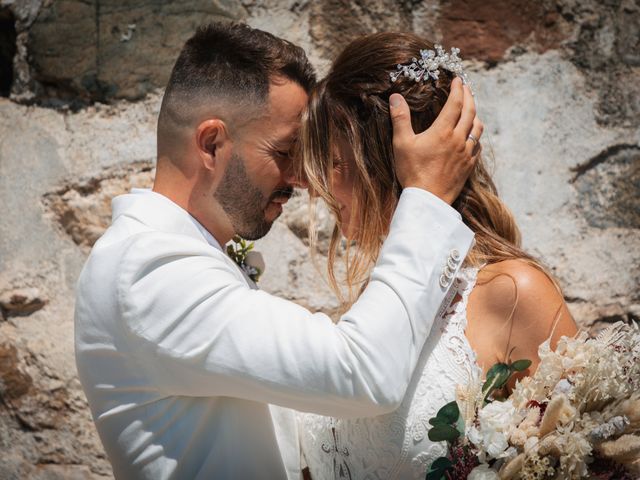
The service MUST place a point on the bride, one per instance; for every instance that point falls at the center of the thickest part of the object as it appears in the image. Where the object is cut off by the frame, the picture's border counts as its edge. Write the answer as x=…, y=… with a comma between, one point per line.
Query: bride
x=503, y=303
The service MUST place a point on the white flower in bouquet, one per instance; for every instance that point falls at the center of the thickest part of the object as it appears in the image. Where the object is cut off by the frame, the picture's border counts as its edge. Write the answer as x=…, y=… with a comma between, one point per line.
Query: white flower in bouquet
x=488, y=442
x=496, y=421
x=483, y=472
x=575, y=452
x=527, y=429
x=563, y=387
x=530, y=443
x=501, y=416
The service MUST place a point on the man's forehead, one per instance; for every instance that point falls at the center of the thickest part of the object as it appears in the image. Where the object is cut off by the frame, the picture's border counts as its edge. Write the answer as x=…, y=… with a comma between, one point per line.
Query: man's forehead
x=286, y=102
x=283, y=112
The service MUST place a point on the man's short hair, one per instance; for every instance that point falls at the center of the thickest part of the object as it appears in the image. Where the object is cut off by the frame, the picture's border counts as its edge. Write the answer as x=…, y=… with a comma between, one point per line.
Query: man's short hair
x=232, y=63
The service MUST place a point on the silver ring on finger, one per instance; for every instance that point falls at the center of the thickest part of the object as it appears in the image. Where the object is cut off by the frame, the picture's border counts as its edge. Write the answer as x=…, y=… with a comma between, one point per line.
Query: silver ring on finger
x=473, y=139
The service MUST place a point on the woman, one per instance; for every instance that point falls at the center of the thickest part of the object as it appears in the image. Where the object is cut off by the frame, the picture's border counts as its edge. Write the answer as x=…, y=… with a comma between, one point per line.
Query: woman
x=505, y=303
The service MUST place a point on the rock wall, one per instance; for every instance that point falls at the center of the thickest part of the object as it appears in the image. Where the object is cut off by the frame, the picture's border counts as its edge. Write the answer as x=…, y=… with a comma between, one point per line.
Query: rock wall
x=557, y=83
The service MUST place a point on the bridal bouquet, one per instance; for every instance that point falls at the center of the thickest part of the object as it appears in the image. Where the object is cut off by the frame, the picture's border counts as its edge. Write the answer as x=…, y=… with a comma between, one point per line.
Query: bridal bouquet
x=577, y=417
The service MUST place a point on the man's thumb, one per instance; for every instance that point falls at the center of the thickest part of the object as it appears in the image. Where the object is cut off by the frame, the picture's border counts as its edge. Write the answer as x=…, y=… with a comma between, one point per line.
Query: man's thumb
x=400, y=117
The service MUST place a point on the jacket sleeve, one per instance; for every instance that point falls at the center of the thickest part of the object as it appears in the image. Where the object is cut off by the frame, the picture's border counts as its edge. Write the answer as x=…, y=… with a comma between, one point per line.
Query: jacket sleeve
x=199, y=330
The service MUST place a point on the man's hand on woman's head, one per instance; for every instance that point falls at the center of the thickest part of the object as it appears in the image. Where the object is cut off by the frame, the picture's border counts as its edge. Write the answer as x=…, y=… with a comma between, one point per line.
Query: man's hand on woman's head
x=441, y=158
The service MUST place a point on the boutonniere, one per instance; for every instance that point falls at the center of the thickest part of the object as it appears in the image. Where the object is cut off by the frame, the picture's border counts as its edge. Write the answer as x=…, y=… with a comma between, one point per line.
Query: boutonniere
x=249, y=261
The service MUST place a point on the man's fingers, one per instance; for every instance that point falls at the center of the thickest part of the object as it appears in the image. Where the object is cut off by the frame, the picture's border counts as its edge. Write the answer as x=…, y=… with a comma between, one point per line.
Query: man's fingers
x=400, y=119
x=450, y=113
x=473, y=139
x=468, y=113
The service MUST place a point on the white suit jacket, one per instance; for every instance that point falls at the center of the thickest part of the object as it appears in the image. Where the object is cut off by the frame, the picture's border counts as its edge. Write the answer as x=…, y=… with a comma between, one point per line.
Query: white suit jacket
x=187, y=368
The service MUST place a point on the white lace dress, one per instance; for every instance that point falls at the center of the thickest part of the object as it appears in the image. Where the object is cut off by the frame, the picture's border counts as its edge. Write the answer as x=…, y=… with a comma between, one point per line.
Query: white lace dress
x=396, y=446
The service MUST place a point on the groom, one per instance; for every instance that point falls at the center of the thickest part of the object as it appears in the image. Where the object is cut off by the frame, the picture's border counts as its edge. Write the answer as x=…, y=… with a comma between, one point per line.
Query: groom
x=190, y=371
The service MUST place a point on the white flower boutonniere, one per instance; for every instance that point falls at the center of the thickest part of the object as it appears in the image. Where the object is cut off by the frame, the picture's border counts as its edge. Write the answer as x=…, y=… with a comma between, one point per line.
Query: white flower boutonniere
x=249, y=261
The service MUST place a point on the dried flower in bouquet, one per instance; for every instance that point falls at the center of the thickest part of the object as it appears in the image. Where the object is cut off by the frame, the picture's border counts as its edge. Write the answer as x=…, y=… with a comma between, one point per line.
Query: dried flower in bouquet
x=576, y=417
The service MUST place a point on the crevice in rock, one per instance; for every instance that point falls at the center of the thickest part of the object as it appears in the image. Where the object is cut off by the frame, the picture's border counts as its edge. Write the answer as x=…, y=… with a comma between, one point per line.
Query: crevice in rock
x=14, y=383
x=82, y=209
x=603, y=156
x=607, y=186
x=20, y=303
x=7, y=50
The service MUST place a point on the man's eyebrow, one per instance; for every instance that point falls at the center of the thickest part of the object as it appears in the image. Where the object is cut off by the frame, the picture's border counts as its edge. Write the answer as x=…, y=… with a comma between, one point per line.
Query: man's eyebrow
x=286, y=141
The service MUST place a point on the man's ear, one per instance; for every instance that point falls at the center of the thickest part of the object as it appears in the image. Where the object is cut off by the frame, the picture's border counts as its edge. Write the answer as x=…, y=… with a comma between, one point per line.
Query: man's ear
x=211, y=139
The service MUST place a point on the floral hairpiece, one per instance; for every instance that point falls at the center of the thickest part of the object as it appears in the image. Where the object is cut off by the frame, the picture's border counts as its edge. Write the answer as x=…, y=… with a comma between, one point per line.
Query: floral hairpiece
x=428, y=64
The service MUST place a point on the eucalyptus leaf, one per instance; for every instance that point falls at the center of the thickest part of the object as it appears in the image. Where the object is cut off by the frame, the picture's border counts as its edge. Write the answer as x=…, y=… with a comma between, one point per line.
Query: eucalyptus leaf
x=521, y=365
x=435, y=475
x=442, y=463
x=443, y=433
x=497, y=376
x=437, y=421
x=449, y=413
x=439, y=468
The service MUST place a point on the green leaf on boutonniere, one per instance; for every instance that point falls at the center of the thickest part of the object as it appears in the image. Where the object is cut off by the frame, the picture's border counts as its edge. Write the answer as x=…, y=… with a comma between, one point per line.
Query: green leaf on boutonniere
x=238, y=251
x=439, y=468
x=443, y=433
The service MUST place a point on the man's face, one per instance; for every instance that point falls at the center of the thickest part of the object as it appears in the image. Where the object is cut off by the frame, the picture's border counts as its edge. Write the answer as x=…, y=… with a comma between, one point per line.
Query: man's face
x=259, y=177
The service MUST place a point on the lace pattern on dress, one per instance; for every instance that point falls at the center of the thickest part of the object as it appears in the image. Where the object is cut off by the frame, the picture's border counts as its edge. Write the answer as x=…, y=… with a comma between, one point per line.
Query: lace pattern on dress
x=396, y=445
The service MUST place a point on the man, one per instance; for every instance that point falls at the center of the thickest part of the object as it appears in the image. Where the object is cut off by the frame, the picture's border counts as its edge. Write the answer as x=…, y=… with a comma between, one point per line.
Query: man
x=186, y=365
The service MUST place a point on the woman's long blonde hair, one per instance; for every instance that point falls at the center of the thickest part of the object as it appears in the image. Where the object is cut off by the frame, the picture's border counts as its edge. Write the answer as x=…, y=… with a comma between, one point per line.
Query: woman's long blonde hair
x=351, y=104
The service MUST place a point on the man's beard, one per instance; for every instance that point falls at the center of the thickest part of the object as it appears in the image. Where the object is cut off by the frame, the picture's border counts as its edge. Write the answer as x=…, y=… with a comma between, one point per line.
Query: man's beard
x=244, y=203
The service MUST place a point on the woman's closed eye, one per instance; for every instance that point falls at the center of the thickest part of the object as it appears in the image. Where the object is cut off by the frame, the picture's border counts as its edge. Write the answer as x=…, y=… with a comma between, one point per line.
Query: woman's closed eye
x=339, y=164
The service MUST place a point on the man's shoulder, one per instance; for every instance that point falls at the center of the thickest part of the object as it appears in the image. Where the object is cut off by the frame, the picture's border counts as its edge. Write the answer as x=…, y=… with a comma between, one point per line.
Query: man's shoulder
x=138, y=240
x=118, y=253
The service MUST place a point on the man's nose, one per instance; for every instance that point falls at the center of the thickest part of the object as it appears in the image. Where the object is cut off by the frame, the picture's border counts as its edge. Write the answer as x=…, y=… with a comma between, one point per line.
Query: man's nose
x=295, y=177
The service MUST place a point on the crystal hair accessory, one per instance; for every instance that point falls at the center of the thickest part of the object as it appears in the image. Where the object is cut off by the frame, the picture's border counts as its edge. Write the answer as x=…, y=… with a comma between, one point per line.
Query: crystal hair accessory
x=428, y=64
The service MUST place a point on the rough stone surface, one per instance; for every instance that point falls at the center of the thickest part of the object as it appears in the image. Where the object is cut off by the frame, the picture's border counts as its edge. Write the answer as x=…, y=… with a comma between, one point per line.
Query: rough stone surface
x=489, y=30
x=83, y=209
x=332, y=24
x=544, y=153
x=557, y=87
x=608, y=185
x=605, y=45
x=104, y=49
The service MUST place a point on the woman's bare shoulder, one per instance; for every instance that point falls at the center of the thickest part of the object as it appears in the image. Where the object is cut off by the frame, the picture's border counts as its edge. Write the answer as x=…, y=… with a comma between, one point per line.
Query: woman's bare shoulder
x=516, y=283
x=521, y=306
x=510, y=276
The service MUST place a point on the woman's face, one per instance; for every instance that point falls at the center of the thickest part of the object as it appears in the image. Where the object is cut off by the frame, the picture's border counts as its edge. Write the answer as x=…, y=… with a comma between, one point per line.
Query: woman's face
x=342, y=183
